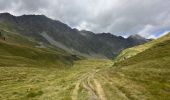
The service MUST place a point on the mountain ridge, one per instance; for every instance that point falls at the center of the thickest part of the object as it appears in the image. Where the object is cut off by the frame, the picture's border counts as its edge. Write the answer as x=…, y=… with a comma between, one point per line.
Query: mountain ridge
x=85, y=42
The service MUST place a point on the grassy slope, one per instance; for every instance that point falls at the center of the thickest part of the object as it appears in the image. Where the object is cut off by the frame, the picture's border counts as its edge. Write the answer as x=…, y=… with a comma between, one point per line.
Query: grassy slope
x=16, y=54
x=21, y=50
x=144, y=76
x=137, y=49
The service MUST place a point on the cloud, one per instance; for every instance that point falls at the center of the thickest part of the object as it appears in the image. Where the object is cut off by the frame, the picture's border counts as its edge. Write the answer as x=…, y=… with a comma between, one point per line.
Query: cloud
x=120, y=17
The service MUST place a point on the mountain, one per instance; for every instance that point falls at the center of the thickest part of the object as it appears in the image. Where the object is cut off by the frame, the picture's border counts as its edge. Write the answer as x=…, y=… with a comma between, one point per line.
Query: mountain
x=130, y=52
x=137, y=39
x=60, y=35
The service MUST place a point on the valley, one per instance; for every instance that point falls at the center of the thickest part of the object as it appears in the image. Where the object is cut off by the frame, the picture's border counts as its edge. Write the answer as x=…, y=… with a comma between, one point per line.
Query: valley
x=55, y=62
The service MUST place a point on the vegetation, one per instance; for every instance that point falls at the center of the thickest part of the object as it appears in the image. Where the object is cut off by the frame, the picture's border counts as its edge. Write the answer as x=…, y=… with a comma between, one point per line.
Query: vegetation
x=46, y=82
x=130, y=52
x=146, y=75
x=31, y=70
x=133, y=79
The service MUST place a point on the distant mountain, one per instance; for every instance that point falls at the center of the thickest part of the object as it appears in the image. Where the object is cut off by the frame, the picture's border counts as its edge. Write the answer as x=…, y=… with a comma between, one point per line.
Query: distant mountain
x=137, y=39
x=58, y=34
x=130, y=52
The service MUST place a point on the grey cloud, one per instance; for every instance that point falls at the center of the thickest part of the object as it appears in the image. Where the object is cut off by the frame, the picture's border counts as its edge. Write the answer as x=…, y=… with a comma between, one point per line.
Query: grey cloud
x=120, y=17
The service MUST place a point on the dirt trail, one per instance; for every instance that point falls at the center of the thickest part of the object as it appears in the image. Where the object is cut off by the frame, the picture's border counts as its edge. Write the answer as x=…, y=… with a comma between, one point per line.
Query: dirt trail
x=95, y=91
x=99, y=90
x=75, y=91
x=88, y=85
x=92, y=95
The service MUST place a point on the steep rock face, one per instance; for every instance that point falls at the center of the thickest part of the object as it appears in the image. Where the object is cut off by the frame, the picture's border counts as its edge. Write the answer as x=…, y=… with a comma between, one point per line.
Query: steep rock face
x=82, y=42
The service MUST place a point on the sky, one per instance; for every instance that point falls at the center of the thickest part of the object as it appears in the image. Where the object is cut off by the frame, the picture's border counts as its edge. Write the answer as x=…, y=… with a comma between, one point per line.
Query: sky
x=148, y=18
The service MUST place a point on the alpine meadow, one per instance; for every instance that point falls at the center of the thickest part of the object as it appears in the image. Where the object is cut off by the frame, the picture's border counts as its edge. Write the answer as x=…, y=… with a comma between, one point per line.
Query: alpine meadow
x=84, y=50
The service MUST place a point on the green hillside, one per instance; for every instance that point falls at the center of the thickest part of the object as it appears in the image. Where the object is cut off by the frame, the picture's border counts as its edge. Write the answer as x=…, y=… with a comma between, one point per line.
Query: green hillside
x=127, y=53
x=146, y=75
x=20, y=50
x=11, y=53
